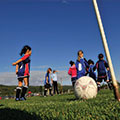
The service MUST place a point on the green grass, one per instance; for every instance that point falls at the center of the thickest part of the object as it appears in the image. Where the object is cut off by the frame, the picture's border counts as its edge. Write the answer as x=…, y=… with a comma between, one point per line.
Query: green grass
x=62, y=107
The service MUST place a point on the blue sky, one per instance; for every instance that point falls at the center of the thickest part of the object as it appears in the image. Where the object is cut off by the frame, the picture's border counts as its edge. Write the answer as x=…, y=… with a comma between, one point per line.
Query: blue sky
x=56, y=30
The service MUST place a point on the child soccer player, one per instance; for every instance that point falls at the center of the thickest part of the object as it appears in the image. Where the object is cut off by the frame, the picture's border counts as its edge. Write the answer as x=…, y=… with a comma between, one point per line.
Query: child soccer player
x=47, y=84
x=101, y=67
x=81, y=65
x=73, y=72
x=54, y=79
x=90, y=70
x=23, y=72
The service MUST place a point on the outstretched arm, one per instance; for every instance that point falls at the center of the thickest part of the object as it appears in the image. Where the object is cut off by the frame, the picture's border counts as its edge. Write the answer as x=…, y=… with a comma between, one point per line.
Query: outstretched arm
x=15, y=63
x=20, y=60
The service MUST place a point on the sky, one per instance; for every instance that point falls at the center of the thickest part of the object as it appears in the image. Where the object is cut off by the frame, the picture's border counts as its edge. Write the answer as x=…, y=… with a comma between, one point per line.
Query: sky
x=56, y=30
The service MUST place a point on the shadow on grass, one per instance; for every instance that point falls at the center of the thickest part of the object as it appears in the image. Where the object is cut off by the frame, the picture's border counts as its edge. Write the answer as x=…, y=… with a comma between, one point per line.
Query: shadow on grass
x=1, y=105
x=14, y=114
x=72, y=99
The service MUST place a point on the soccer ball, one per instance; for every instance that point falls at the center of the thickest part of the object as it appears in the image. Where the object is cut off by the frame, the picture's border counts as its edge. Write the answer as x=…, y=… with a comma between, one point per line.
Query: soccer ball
x=85, y=88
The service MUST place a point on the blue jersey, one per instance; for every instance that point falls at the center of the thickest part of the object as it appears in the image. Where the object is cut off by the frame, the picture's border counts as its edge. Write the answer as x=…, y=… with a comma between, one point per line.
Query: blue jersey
x=91, y=72
x=47, y=75
x=101, y=66
x=81, y=67
x=24, y=67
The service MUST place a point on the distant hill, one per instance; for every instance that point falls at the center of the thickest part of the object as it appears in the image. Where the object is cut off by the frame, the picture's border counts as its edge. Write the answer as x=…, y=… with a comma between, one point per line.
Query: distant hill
x=10, y=90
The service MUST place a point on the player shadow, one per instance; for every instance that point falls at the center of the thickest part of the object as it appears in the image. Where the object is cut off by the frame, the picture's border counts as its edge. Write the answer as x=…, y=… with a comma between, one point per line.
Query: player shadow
x=76, y=99
x=1, y=105
x=72, y=99
x=14, y=114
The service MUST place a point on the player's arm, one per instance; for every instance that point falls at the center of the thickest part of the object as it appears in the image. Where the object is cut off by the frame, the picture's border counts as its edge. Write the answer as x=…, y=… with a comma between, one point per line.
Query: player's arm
x=108, y=69
x=86, y=63
x=69, y=71
x=20, y=60
x=106, y=65
x=76, y=65
x=52, y=80
x=47, y=79
x=95, y=67
x=17, y=69
x=15, y=63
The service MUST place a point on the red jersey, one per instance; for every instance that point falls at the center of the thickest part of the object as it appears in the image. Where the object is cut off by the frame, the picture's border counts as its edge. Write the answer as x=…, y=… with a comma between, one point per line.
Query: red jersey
x=72, y=71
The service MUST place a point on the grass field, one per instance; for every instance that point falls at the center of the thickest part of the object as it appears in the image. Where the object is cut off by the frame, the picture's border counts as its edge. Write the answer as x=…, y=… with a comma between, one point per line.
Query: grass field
x=62, y=107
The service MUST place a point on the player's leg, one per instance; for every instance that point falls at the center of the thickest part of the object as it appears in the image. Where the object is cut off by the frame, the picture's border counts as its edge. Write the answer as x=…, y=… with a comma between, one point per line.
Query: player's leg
x=25, y=87
x=18, y=89
x=99, y=83
x=53, y=87
x=50, y=89
x=110, y=84
x=57, y=87
x=45, y=90
x=73, y=84
x=73, y=81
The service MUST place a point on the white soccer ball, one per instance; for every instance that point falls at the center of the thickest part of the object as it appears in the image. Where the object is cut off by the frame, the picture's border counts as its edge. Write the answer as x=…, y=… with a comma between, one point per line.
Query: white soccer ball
x=85, y=88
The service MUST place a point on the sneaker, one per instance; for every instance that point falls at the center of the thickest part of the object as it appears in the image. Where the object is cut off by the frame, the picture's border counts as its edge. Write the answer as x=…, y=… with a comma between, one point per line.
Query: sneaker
x=17, y=99
x=22, y=98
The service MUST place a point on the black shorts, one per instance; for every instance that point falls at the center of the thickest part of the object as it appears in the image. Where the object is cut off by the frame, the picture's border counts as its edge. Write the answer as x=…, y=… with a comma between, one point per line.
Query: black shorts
x=22, y=78
x=47, y=85
x=100, y=79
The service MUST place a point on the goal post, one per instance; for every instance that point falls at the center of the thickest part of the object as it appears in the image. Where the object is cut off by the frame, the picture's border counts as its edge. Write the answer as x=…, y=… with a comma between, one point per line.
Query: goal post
x=106, y=49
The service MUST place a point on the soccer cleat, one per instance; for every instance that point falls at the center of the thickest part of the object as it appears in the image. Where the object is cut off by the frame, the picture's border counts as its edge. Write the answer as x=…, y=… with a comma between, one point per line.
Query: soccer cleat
x=17, y=99
x=22, y=98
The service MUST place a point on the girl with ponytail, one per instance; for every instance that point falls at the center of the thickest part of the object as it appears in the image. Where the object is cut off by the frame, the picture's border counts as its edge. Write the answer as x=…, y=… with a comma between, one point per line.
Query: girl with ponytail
x=23, y=72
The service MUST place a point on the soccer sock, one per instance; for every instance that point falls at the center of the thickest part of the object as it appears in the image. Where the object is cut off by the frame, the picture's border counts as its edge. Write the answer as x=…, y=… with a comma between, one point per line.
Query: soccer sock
x=18, y=90
x=45, y=91
x=50, y=91
x=110, y=85
x=24, y=90
x=98, y=87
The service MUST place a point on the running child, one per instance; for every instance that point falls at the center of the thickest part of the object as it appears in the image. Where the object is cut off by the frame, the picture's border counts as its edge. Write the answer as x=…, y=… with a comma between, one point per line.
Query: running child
x=23, y=72
x=47, y=82
x=73, y=72
x=81, y=65
x=102, y=67
x=90, y=70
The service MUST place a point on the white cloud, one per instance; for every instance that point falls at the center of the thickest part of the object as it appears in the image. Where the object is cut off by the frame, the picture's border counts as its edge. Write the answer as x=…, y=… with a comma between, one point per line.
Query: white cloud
x=36, y=78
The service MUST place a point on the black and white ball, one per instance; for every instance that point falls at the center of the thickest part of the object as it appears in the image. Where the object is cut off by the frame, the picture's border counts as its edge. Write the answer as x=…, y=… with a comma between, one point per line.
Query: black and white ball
x=85, y=88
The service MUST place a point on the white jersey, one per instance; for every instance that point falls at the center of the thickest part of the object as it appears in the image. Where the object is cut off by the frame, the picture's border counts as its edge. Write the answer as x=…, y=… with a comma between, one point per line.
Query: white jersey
x=54, y=76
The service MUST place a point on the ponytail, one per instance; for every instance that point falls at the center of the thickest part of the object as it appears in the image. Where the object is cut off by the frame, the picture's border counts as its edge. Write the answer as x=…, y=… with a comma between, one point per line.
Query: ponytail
x=24, y=49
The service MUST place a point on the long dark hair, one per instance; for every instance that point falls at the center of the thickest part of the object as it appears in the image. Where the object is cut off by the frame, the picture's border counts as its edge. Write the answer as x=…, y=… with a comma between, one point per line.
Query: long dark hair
x=79, y=51
x=71, y=63
x=24, y=49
